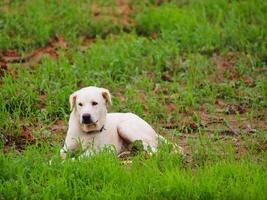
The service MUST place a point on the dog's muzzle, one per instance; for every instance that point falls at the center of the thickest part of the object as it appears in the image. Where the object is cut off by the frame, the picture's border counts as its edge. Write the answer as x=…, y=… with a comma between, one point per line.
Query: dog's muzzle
x=87, y=119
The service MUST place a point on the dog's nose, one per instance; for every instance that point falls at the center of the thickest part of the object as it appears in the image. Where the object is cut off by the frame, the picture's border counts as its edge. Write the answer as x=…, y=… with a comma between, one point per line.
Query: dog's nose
x=87, y=119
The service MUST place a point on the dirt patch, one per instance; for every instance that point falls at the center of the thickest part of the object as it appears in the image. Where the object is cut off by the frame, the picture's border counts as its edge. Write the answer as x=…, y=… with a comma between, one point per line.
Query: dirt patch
x=34, y=58
x=119, y=14
x=19, y=141
x=59, y=127
x=229, y=123
x=10, y=56
x=225, y=66
x=51, y=50
x=34, y=133
x=4, y=6
x=6, y=58
x=3, y=68
x=86, y=42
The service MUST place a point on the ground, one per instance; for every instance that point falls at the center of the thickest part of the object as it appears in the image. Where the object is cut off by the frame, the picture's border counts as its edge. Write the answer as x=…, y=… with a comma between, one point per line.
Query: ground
x=194, y=69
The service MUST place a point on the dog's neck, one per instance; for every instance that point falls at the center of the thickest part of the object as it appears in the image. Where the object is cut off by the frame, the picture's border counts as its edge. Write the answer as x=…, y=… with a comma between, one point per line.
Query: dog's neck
x=97, y=131
x=89, y=131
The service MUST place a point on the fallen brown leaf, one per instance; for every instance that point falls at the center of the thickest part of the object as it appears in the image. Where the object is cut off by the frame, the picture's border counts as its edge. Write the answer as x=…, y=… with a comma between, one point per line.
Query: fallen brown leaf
x=193, y=125
x=167, y=77
x=171, y=107
x=27, y=135
x=234, y=109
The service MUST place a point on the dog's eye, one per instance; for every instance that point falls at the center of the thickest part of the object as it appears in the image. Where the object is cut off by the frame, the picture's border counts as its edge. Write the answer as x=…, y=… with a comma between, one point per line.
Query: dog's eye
x=94, y=103
x=80, y=104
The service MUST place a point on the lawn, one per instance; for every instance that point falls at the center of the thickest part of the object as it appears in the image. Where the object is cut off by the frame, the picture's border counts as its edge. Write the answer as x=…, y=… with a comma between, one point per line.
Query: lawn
x=196, y=70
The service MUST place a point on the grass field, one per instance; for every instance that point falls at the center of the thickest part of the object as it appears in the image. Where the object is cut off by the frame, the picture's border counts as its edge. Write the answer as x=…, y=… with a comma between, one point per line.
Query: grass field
x=196, y=70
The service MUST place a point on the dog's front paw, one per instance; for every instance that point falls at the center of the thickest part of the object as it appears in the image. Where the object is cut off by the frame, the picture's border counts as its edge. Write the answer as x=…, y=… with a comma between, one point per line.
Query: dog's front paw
x=63, y=154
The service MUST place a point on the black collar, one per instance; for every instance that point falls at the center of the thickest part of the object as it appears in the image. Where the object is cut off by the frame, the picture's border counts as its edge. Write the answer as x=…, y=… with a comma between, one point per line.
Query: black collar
x=103, y=128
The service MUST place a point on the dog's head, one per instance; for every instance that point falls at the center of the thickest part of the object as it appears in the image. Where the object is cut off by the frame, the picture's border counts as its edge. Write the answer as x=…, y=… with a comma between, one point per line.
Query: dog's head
x=90, y=107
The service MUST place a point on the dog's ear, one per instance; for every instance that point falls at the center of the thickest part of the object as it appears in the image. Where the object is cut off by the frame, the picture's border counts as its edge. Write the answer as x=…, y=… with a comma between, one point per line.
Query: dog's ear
x=73, y=97
x=106, y=95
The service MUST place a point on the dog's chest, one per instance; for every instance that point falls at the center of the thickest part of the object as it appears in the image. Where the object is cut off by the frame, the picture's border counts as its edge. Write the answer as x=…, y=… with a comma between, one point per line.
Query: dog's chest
x=108, y=136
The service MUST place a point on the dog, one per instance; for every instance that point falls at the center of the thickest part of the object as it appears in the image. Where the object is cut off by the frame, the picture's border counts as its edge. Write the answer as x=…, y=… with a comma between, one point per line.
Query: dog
x=93, y=128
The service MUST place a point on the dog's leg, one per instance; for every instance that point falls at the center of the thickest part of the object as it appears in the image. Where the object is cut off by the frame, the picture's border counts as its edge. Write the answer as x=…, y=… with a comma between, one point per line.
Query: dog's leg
x=68, y=147
x=93, y=150
x=133, y=130
x=87, y=154
x=70, y=144
x=63, y=152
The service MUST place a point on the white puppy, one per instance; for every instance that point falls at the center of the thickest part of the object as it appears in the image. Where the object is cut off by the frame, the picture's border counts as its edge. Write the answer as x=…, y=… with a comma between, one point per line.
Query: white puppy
x=93, y=128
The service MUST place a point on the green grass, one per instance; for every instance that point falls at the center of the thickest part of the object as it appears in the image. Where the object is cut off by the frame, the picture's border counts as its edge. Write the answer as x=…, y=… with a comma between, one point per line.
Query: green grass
x=31, y=24
x=203, y=26
x=173, y=65
x=163, y=176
